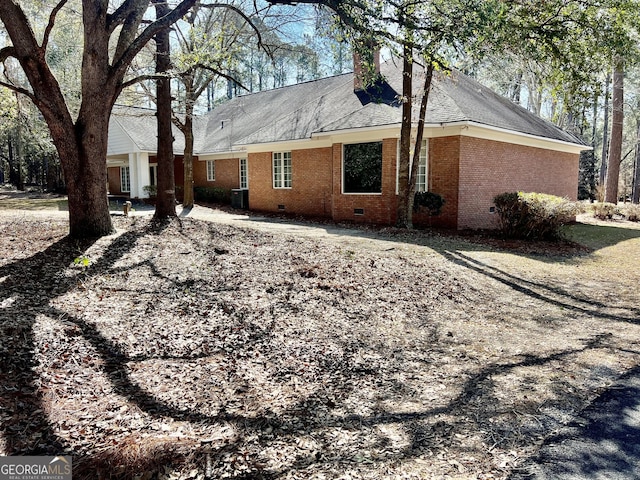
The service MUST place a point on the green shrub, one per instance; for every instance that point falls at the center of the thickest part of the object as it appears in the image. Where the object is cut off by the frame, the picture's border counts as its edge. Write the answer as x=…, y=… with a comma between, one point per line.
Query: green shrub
x=631, y=212
x=430, y=202
x=603, y=210
x=212, y=194
x=150, y=190
x=535, y=216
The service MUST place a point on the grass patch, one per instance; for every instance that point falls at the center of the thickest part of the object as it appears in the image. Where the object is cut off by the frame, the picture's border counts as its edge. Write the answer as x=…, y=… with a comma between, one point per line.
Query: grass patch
x=597, y=236
x=33, y=204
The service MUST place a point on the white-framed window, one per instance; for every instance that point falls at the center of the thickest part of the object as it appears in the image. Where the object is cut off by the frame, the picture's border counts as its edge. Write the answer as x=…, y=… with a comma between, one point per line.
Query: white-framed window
x=421, y=180
x=125, y=180
x=281, y=169
x=362, y=168
x=244, y=179
x=211, y=171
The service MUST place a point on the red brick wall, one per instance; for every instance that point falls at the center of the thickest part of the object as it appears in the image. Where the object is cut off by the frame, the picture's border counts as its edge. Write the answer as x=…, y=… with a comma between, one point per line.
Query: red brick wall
x=380, y=208
x=443, y=173
x=310, y=191
x=467, y=172
x=488, y=168
x=227, y=173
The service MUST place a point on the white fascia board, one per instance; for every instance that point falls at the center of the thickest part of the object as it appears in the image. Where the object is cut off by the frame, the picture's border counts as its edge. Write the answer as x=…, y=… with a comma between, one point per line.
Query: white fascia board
x=289, y=145
x=240, y=153
x=327, y=139
x=368, y=134
x=487, y=132
x=364, y=134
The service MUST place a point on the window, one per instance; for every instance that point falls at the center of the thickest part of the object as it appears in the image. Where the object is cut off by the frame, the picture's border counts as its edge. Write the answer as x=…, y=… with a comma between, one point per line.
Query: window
x=421, y=180
x=362, y=168
x=153, y=175
x=281, y=169
x=125, y=180
x=211, y=171
x=244, y=181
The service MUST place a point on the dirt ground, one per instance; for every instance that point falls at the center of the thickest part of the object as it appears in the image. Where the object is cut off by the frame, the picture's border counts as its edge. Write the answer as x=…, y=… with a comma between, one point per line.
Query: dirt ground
x=222, y=346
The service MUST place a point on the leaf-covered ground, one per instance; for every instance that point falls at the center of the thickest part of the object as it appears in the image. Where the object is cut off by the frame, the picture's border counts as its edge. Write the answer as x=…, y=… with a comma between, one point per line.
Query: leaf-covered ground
x=194, y=349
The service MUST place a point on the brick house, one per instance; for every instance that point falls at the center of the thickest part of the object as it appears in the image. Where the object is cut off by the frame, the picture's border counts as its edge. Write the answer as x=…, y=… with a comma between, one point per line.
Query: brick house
x=329, y=148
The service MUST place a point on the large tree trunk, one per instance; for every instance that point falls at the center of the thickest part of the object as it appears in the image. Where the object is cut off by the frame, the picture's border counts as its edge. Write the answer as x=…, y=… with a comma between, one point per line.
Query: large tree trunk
x=403, y=215
x=615, y=147
x=187, y=131
x=635, y=194
x=82, y=146
x=166, y=202
x=605, y=132
x=87, y=180
x=188, y=198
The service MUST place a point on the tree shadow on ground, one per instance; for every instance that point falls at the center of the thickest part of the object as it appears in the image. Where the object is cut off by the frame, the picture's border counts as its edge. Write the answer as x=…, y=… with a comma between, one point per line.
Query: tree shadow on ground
x=541, y=291
x=579, y=240
x=30, y=286
x=602, y=443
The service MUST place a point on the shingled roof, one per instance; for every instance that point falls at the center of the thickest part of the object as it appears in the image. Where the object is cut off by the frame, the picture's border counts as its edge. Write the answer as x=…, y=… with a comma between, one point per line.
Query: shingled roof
x=330, y=105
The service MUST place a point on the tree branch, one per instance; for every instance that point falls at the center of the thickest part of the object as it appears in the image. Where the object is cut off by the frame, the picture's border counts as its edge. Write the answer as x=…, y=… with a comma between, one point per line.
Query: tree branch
x=52, y=21
x=130, y=23
x=218, y=72
x=20, y=90
x=246, y=18
x=122, y=12
x=6, y=52
x=122, y=61
x=141, y=78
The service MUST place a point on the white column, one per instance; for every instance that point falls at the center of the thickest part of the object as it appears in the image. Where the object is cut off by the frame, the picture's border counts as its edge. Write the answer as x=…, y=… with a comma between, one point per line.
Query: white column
x=133, y=175
x=143, y=173
x=139, y=171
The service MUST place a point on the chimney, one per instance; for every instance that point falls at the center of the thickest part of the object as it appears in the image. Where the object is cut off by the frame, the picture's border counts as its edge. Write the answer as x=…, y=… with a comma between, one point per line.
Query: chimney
x=366, y=67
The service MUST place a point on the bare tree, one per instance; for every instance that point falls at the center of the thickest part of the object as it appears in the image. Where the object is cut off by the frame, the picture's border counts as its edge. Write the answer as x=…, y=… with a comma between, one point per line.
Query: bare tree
x=206, y=52
x=166, y=198
x=615, y=145
x=635, y=194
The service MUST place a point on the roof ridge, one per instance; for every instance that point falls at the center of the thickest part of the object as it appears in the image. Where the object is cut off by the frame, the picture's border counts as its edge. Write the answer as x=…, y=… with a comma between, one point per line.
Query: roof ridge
x=294, y=85
x=271, y=90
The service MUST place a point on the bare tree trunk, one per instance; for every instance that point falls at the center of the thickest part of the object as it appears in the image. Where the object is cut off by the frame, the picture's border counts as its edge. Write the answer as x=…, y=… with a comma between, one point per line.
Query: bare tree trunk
x=187, y=130
x=15, y=167
x=615, y=147
x=419, y=135
x=188, y=199
x=605, y=132
x=635, y=194
x=516, y=89
x=403, y=218
x=166, y=202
